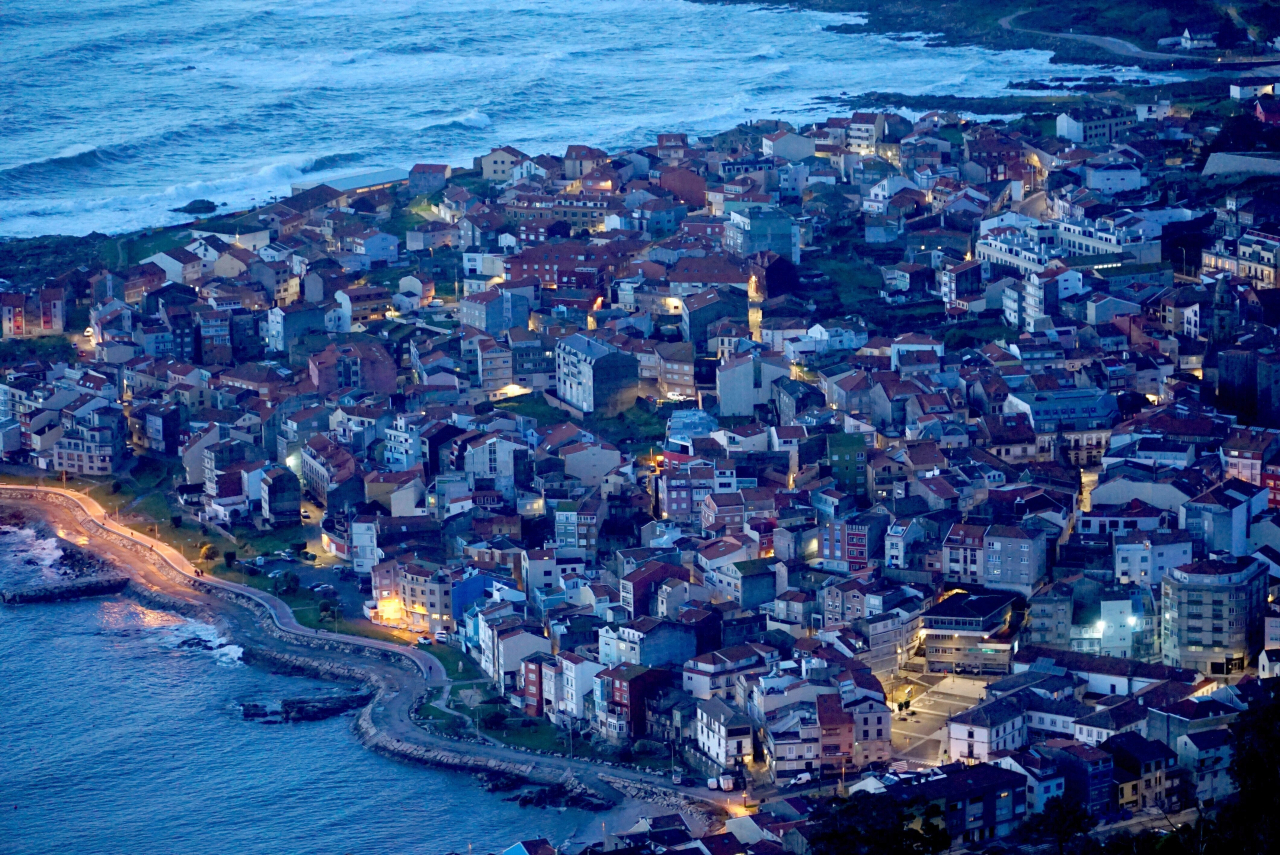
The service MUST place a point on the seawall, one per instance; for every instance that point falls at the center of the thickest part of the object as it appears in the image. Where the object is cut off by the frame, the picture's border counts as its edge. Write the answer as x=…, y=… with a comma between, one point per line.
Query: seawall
x=70, y=589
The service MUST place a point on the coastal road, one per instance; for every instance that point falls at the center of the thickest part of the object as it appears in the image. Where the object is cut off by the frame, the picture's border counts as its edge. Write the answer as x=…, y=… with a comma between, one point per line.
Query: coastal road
x=392, y=712
x=1113, y=45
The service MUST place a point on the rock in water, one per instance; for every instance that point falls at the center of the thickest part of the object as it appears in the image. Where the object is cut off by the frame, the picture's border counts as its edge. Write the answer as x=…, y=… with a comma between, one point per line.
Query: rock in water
x=318, y=709
x=198, y=206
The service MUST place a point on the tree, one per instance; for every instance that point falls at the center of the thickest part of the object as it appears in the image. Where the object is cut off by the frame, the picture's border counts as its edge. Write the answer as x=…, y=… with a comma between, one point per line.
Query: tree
x=493, y=720
x=1060, y=820
x=289, y=583
x=1229, y=35
x=208, y=552
x=115, y=486
x=229, y=557
x=875, y=824
x=1252, y=823
x=329, y=609
x=175, y=521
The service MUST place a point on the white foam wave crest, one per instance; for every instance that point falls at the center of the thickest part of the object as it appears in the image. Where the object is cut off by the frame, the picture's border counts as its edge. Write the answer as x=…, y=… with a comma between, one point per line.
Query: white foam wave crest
x=37, y=556
x=445, y=81
x=195, y=635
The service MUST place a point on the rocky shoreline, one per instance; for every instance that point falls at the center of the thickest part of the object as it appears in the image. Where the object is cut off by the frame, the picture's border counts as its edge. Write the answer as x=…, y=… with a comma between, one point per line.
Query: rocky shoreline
x=75, y=574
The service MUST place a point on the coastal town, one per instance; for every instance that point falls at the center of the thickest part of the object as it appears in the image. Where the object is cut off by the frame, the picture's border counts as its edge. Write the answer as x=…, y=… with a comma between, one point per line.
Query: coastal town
x=921, y=473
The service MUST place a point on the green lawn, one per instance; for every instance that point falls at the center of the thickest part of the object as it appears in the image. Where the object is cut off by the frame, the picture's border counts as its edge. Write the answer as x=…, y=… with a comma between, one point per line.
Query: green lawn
x=543, y=736
x=48, y=348
x=145, y=246
x=402, y=220
x=451, y=658
x=428, y=710
x=856, y=284
x=976, y=334
x=631, y=427
x=534, y=406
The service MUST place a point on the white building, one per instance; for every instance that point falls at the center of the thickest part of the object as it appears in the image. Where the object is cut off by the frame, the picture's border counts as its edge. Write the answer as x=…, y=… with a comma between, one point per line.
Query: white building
x=577, y=675
x=1145, y=556
x=974, y=734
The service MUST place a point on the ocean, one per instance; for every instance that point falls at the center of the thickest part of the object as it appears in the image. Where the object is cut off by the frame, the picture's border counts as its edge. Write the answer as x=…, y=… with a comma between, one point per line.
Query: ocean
x=119, y=110
x=121, y=733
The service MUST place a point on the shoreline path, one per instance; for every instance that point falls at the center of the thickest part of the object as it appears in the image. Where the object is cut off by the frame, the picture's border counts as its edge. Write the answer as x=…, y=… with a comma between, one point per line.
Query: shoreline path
x=390, y=712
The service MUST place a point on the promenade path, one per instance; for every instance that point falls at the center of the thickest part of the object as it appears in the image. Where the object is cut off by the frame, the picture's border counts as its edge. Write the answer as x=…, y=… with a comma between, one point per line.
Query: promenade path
x=391, y=712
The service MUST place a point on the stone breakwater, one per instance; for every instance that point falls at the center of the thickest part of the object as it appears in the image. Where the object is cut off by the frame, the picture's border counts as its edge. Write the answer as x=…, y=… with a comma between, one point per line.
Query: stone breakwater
x=66, y=589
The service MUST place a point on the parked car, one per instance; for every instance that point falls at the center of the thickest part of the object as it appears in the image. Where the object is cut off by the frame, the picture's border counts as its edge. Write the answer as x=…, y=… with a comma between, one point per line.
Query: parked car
x=308, y=556
x=442, y=636
x=306, y=515
x=801, y=779
x=424, y=640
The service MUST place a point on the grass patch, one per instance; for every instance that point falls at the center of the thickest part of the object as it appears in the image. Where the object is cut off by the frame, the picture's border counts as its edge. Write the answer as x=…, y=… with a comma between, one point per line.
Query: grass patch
x=151, y=472
x=155, y=506
x=429, y=711
x=145, y=246
x=534, y=406
x=401, y=221
x=856, y=284
x=451, y=658
x=542, y=736
x=630, y=428
x=977, y=334
x=48, y=348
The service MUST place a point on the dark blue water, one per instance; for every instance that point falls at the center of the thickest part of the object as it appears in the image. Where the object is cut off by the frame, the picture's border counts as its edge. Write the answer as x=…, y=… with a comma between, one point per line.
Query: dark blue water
x=113, y=739
x=116, y=111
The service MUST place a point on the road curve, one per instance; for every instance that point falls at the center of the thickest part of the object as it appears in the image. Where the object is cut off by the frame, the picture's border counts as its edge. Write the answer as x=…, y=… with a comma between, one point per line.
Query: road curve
x=1108, y=43
x=430, y=667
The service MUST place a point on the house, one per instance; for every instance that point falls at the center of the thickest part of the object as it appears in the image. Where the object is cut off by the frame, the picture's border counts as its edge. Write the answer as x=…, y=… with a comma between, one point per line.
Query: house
x=975, y=734
x=595, y=378
x=972, y=803
x=498, y=164
x=1045, y=780
x=1150, y=766
x=723, y=735
x=746, y=381
x=1206, y=758
x=428, y=178
x=787, y=145
x=179, y=264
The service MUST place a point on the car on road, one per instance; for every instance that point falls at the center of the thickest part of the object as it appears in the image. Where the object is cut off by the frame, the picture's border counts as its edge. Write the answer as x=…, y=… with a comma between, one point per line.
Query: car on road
x=325, y=589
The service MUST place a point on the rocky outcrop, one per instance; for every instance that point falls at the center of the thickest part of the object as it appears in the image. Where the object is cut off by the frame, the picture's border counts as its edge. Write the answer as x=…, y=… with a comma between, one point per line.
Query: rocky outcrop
x=321, y=708
x=66, y=589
